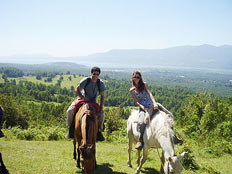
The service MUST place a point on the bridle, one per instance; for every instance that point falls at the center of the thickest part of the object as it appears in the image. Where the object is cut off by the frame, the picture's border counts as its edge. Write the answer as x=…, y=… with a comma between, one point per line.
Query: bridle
x=168, y=163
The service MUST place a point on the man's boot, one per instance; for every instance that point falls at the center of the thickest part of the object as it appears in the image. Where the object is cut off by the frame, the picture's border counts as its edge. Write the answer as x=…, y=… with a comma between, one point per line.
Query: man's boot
x=177, y=140
x=100, y=137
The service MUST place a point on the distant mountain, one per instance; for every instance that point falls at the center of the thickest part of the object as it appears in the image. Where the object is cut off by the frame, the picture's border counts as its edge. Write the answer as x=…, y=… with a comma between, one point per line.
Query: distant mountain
x=49, y=67
x=203, y=56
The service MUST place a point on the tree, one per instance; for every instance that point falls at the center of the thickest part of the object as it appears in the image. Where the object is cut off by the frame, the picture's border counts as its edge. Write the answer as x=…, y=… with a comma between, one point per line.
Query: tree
x=38, y=77
x=15, y=112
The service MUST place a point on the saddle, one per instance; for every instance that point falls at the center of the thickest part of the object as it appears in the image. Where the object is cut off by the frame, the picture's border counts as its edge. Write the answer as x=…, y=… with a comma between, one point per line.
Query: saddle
x=78, y=108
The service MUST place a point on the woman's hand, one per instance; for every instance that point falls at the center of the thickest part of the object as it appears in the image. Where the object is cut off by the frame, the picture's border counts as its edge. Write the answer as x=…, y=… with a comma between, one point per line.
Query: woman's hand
x=156, y=106
x=145, y=109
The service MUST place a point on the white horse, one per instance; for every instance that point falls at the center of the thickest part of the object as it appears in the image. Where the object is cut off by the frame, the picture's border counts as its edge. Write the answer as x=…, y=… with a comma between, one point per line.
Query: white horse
x=158, y=134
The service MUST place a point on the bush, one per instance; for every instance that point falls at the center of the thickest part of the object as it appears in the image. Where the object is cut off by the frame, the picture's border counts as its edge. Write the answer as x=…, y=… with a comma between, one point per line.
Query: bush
x=207, y=119
x=37, y=133
x=15, y=113
x=189, y=160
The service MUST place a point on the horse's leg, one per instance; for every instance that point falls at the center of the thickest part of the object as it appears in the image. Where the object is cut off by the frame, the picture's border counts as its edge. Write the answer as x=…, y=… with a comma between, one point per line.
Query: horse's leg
x=95, y=160
x=162, y=163
x=77, y=136
x=130, y=141
x=74, y=148
x=142, y=161
x=129, y=149
x=78, y=155
x=138, y=157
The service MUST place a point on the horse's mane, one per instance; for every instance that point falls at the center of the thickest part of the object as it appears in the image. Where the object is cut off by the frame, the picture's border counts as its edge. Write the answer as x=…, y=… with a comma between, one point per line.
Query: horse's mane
x=163, y=124
x=88, y=130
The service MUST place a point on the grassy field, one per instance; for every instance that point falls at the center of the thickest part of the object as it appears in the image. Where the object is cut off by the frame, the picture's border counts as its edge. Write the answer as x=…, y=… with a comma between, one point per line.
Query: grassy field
x=65, y=82
x=29, y=157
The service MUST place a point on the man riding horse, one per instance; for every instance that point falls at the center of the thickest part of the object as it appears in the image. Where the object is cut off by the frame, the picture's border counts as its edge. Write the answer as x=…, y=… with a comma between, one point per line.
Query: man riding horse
x=87, y=91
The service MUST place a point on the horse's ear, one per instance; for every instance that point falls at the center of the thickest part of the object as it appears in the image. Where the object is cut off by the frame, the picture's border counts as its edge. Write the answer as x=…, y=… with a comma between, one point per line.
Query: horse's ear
x=182, y=155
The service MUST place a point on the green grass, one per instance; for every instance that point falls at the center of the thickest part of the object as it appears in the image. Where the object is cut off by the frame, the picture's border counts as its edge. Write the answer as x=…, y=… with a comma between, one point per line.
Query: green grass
x=29, y=157
x=65, y=82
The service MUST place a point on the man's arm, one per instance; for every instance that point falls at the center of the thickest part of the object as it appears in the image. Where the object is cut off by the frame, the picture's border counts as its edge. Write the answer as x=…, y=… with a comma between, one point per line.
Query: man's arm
x=78, y=92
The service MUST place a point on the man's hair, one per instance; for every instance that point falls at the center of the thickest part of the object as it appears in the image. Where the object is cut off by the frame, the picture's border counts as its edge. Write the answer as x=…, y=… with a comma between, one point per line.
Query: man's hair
x=95, y=68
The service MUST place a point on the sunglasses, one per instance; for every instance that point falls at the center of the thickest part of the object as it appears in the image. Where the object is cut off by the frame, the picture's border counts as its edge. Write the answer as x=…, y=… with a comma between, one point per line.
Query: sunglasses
x=136, y=77
x=96, y=74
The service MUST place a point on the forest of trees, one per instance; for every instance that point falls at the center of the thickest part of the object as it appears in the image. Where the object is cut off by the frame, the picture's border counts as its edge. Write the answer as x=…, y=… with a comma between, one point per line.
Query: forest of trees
x=201, y=116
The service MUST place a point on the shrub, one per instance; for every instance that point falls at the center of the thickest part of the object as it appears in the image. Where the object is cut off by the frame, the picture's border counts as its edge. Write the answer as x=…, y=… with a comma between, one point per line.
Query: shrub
x=37, y=133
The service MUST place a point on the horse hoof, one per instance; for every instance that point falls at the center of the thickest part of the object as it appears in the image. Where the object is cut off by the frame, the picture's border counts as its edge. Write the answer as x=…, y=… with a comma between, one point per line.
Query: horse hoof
x=129, y=165
x=78, y=166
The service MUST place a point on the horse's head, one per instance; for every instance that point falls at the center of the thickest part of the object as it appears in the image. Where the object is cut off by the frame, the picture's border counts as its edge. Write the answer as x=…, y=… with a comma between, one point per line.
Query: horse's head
x=173, y=165
x=88, y=157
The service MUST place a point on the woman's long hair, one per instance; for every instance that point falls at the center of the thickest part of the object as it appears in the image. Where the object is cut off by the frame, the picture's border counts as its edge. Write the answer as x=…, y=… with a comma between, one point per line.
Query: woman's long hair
x=141, y=85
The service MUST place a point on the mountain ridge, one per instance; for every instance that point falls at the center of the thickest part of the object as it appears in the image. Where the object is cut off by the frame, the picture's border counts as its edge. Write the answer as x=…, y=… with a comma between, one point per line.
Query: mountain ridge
x=202, y=56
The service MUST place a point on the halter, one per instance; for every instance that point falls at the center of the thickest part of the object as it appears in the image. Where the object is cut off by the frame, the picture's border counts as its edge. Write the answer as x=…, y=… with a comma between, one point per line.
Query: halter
x=168, y=163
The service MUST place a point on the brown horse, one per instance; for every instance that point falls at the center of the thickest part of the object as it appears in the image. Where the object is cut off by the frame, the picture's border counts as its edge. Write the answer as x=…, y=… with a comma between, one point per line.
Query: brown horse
x=85, y=134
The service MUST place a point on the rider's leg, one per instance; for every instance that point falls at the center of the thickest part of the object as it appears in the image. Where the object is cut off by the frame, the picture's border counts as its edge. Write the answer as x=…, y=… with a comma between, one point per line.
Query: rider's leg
x=70, y=117
x=141, y=128
x=101, y=118
x=162, y=108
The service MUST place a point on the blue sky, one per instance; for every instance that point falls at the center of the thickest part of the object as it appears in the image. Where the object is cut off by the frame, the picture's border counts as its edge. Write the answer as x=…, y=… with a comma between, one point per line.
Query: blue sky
x=78, y=28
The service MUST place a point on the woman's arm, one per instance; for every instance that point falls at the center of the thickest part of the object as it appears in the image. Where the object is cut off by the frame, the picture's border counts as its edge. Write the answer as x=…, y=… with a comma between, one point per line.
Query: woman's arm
x=135, y=99
x=151, y=96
